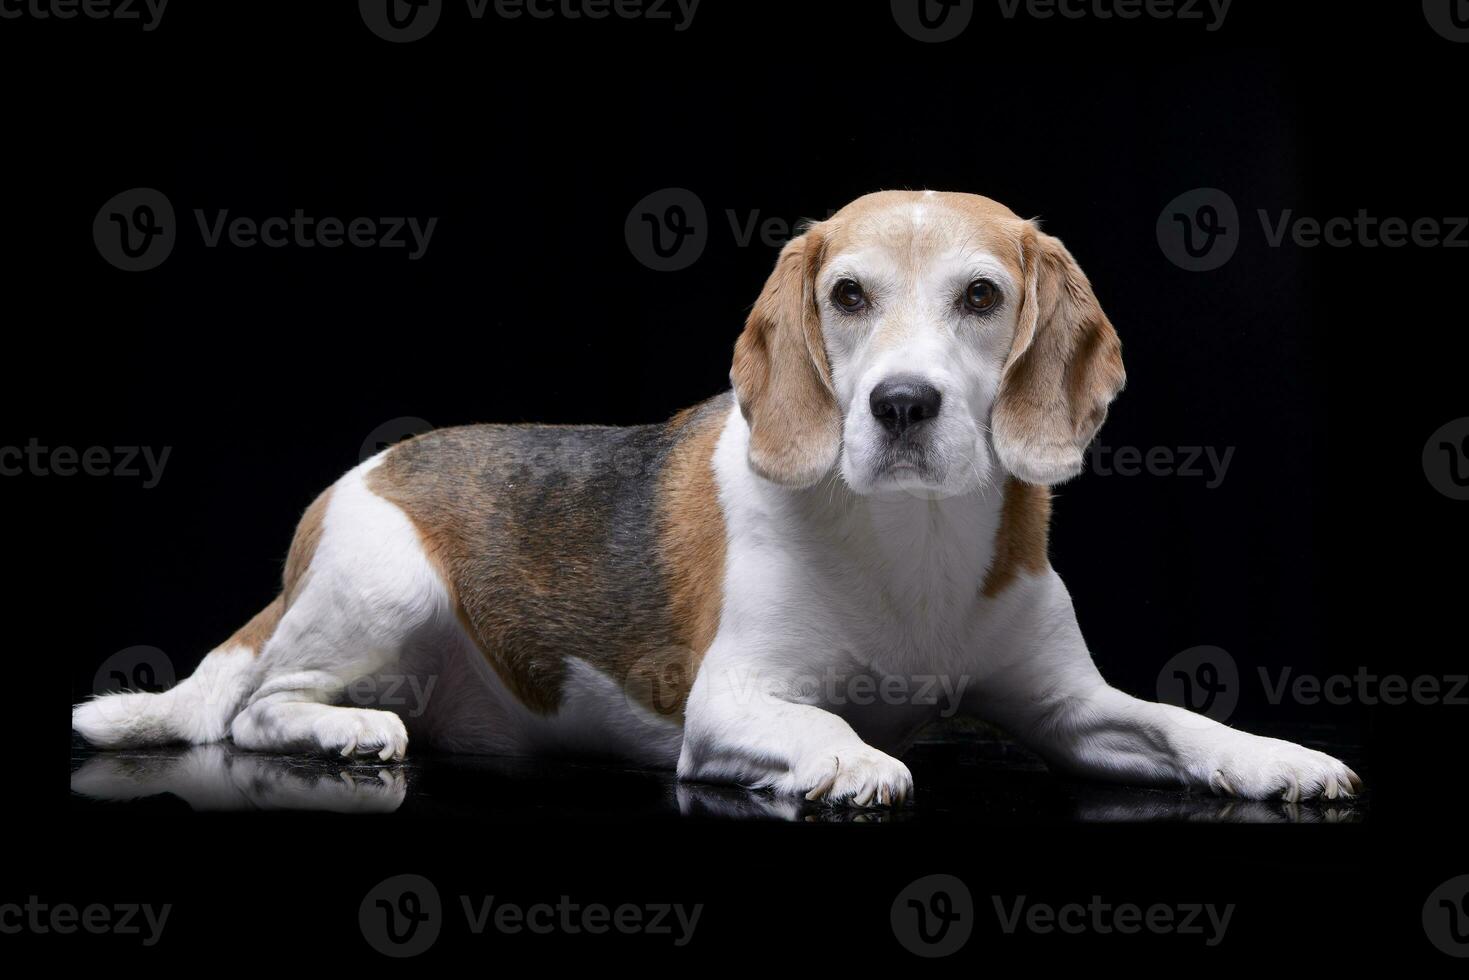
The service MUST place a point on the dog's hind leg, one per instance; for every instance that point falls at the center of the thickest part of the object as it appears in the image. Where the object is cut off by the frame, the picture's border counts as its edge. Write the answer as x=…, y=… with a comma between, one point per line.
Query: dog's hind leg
x=197, y=710
x=370, y=590
x=201, y=708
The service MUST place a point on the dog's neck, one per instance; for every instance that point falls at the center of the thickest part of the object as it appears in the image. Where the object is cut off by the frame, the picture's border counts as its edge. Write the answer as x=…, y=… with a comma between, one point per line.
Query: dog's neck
x=918, y=539
x=914, y=565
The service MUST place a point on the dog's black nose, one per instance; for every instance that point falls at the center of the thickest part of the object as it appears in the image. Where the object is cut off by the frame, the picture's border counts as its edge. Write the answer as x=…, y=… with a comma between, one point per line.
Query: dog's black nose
x=898, y=404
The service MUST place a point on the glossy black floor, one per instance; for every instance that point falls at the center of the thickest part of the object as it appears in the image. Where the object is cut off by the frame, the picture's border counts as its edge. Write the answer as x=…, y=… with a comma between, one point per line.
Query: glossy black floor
x=970, y=777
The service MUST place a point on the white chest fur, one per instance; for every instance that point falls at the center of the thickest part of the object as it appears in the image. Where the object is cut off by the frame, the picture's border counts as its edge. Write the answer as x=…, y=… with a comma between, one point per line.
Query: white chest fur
x=889, y=584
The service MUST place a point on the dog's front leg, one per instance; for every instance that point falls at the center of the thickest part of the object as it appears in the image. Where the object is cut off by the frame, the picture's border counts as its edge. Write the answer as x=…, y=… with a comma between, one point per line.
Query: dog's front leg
x=1047, y=691
x=756, y=725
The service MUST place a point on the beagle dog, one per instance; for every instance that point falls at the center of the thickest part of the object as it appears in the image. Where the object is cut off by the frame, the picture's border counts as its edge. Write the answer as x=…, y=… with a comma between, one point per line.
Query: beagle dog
x=776, y=588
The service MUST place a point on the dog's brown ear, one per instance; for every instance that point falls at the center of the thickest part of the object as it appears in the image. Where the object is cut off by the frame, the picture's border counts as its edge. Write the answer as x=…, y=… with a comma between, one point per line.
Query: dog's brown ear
x=1064, y=369
x=781, y=375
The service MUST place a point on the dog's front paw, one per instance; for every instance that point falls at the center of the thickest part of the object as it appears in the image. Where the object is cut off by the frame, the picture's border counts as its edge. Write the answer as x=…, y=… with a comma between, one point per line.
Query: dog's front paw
x=1269, y=768
x=858, y=777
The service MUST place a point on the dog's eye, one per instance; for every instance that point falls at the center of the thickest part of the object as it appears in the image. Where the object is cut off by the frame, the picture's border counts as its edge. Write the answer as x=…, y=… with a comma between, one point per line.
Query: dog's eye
x=981, y=296
x=847, y=294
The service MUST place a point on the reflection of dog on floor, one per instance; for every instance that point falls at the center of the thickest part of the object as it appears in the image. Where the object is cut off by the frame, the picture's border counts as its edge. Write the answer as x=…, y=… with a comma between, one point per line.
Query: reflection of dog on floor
x=211, y=777
x=760, y=590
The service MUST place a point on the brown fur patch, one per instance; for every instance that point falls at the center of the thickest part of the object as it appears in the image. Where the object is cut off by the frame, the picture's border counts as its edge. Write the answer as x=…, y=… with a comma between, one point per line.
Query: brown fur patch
x=303, y=547
x=259, y=629
x=781, y=375
x=691, y=541
x=1020, y=543
x=298, y=563
x=1064, y=369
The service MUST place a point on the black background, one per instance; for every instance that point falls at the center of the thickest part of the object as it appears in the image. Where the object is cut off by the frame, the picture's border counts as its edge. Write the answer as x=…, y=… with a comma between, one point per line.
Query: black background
x=1326, y=369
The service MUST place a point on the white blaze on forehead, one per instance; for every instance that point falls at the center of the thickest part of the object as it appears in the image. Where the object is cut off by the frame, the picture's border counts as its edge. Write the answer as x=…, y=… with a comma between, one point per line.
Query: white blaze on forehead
x=917, y=233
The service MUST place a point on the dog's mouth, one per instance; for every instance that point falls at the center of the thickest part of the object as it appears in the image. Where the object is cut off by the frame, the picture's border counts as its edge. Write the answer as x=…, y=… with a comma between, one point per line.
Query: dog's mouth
x=904, y=462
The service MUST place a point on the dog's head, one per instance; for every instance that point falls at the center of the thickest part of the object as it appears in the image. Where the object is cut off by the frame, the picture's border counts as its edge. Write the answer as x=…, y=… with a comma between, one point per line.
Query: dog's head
x=925, y=342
